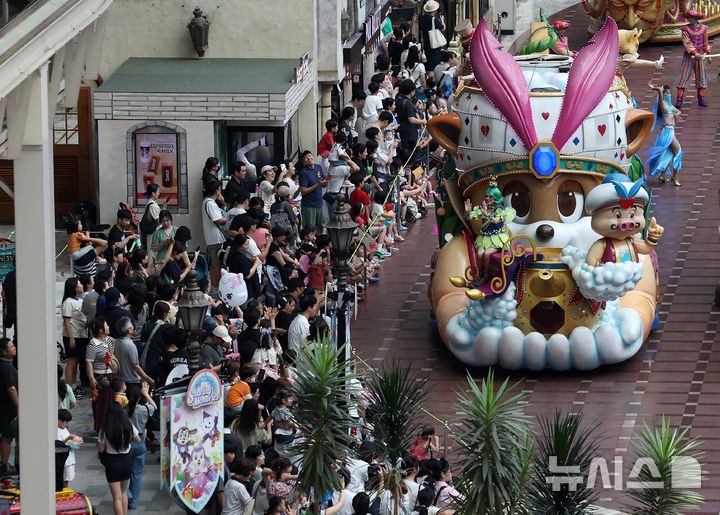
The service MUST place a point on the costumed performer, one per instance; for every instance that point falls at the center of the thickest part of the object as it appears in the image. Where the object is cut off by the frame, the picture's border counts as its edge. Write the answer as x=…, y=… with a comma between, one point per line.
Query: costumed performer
x=666, y=150
x=494, y=232
x=628, y=50
x=695, y=41
x=561, y=45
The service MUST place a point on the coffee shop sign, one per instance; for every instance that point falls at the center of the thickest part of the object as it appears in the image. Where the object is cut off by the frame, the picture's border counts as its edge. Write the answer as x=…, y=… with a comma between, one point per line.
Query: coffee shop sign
x=302, y=70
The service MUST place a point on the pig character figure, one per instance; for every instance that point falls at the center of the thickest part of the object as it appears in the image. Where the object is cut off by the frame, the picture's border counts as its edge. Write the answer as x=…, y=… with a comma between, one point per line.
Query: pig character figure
x=617, y=208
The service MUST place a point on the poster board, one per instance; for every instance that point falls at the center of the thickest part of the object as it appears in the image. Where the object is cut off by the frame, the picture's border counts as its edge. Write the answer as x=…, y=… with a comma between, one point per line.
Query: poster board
x=156, y=161
x=196, y=457
x=7, y=257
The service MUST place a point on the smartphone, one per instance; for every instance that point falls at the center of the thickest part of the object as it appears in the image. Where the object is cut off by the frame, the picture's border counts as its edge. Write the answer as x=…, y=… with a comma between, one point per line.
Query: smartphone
x=260, y=376
x=270, y=302
x=267, y=236
x=267, y=216
x=197, y=249
x=282, y=167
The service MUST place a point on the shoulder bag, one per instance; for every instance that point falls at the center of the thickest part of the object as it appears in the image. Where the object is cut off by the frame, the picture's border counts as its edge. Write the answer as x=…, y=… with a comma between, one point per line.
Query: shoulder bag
x=436, y=37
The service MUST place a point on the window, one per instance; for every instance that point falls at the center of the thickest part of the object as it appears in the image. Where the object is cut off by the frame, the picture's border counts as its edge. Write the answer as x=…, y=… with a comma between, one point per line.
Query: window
x=256, y=147
x=66, y=129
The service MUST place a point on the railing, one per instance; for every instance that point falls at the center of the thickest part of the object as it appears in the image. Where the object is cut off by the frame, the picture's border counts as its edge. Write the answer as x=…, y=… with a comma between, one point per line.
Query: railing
x=11, y=8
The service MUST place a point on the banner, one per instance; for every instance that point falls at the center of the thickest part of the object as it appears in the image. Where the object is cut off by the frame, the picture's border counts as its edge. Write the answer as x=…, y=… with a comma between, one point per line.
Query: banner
x=196, y=458
x=156, y=161
x=165, y=433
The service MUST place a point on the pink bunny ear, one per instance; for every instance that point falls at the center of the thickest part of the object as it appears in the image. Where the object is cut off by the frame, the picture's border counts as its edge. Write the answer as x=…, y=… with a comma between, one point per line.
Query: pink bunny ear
x=503, y=83
x=305, y=263
x=590, y=77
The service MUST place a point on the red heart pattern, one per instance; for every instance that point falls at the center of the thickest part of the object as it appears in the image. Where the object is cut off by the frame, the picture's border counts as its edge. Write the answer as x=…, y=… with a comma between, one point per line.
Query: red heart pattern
x=602, y=129
x=611, y=106
x=545, y=115
x=622, y=155
x=485, y=130
x=475, y=108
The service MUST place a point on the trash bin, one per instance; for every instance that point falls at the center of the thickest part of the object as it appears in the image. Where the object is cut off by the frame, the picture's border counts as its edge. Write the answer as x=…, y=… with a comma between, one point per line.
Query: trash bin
x=62, y=452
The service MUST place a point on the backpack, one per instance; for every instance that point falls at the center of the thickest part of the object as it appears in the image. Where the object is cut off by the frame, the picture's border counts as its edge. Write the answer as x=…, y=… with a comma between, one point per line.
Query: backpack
x=282, y=220
x=404, y=74
x=147, y=225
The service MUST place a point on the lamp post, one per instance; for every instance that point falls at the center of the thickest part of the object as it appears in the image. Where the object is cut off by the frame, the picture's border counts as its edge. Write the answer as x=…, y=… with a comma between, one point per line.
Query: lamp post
x=199, y=28
x=192, y=307
x=340, y=229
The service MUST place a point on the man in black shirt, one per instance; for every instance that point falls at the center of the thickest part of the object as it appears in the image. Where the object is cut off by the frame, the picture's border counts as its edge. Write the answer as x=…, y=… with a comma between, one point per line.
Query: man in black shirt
x=113, y=312
x=119, y=234
x=408, y=119
x=8, y=399
x=236, y=184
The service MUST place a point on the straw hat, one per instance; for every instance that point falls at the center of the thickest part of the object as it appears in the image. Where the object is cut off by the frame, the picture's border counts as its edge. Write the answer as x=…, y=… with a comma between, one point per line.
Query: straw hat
x=431, y=6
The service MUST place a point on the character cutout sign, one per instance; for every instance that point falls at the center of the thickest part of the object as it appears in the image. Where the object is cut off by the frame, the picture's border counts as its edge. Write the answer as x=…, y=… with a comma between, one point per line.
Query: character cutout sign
x=196, y=458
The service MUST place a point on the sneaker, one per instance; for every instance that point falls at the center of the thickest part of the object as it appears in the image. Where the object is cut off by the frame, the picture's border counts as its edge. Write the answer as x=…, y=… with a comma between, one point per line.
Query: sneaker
x=394, y=249
x=399, y=238
x=79, y=392
x=379, y=255
x=403, y=228
x=390, y=239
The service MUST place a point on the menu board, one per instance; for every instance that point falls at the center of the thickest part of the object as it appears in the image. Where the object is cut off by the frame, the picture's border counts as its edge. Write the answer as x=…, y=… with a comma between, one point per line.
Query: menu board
x=156, y=161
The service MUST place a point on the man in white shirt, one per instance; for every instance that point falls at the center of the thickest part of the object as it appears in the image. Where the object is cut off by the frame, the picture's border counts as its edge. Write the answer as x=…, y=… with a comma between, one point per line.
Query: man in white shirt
x=213, y=219
x=299, y=329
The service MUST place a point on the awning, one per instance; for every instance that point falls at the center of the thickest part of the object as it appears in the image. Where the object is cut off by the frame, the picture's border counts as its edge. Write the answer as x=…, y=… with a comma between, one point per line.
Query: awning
x=205, y=89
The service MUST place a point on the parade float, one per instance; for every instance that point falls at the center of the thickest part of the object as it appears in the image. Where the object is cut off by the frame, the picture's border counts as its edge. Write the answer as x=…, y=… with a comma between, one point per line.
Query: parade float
x=659, y=20
x=537, y=144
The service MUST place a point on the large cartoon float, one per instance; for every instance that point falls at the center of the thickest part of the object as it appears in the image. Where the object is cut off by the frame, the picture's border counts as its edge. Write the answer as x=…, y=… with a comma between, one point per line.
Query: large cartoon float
x=659, y=20
x=547, y=131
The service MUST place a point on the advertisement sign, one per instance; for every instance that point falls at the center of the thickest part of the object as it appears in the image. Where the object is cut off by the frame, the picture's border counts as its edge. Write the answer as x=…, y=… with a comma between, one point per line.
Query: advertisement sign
x=7, y=257
x=156, y=161
x=196, y=457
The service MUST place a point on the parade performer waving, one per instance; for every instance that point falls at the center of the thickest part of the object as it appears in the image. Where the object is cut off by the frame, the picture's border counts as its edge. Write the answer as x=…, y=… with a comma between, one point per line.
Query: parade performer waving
x=695, y=41
x=493, y=233
x=666, y=149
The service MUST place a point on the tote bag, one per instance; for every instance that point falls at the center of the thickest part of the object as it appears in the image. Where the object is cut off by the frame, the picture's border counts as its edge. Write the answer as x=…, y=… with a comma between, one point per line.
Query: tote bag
x=436, y=37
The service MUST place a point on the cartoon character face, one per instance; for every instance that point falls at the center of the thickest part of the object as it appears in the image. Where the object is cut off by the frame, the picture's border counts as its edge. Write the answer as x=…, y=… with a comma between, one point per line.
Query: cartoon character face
x=551, y=213
x=232, y=289
x=208, y=422
x=646, y=15
x=184, y=435
x=629, y=41
x=618, y=222
x=198, y=458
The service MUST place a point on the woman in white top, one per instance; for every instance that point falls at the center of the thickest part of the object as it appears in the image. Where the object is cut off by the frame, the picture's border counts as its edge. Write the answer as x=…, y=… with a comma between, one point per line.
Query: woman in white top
x=383, y=157
x=140, y=408
x=75, y=337
x=267, y=186
x=99, y=373
x=114, y=442
x=416, y=68
x=425, y=504
x=340, y=166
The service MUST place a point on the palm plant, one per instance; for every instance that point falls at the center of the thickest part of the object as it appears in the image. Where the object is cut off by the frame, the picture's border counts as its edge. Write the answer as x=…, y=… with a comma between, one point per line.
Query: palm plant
x=322, y=413
x=396, y=410
x=494, y=448
x=665, y=490
x=563, y=442
x=395, y=415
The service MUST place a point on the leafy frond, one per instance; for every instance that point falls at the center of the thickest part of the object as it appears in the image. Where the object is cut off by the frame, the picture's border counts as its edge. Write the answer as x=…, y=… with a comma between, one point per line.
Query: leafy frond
x=667, y=488
x=563, y=442
x=396, y=413
x=493, y=446
x=322, y=413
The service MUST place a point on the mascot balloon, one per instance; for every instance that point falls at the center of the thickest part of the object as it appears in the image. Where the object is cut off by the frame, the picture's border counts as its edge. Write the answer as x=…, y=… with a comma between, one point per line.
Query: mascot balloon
x=513, y=283
x=232, y=289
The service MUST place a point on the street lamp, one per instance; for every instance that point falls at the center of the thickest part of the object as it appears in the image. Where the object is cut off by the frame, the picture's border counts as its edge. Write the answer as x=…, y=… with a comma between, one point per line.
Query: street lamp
x=199, y=28
x=340, y=229
x=192, y=307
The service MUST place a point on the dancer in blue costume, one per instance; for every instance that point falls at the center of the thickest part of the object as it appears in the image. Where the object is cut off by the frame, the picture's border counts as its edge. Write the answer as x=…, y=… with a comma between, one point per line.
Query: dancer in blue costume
x=666, y=149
